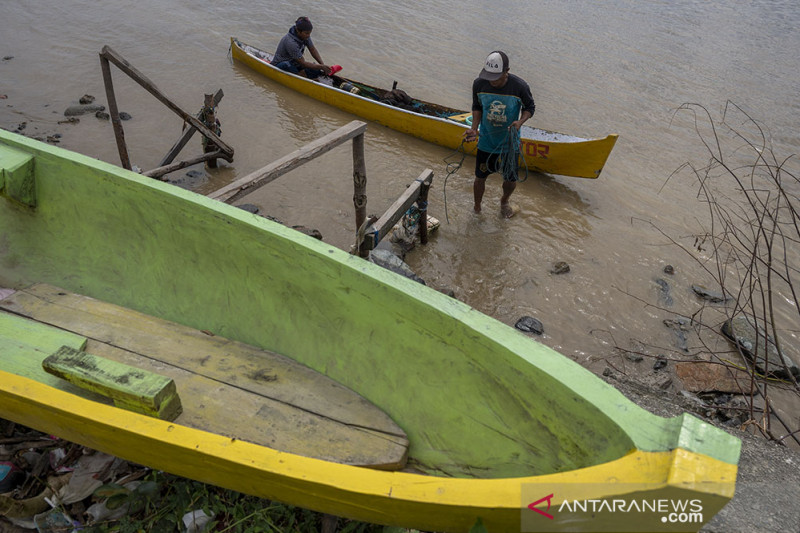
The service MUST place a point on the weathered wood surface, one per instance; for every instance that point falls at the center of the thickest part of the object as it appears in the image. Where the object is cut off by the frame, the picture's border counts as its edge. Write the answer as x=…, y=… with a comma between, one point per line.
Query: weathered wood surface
x=255, y=180
x=130, y=387
x=227, y=387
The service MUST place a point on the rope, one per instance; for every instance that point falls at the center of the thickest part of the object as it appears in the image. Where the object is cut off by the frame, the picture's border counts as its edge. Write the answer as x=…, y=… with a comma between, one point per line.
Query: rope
x=510, y=156
x=451, y=168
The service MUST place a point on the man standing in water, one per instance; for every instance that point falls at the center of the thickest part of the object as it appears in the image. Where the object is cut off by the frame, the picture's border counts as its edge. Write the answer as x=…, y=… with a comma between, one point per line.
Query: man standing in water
x=501, y=103
x=289, y=55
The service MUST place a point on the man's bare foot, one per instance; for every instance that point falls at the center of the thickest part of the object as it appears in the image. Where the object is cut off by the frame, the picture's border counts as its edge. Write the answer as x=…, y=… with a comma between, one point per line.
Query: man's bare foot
x=477, y=209
x=509, y=210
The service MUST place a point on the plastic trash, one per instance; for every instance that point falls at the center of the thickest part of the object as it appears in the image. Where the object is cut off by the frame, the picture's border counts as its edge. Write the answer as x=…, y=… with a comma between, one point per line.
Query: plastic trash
x=10, y=476
x=196, y=521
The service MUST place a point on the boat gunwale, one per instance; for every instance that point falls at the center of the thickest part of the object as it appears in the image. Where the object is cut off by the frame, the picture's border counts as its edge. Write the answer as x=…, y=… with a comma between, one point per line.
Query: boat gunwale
x=450, y=497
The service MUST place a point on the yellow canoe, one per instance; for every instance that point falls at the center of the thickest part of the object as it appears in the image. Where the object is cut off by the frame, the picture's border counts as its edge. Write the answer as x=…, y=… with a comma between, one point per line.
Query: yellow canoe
x=541, y=150
x=500, y=427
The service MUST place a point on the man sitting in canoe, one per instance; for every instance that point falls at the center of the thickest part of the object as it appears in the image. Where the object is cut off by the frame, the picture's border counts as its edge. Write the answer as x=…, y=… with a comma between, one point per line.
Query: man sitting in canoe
x=501, y=103
x=289, y=55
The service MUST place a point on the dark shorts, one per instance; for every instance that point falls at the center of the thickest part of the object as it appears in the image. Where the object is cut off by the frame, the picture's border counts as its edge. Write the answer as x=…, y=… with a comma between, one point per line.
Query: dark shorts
x=487, y=163
x=291, y=66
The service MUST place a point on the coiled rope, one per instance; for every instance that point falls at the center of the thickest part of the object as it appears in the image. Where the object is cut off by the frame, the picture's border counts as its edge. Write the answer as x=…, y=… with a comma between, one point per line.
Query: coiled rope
x=511, y=158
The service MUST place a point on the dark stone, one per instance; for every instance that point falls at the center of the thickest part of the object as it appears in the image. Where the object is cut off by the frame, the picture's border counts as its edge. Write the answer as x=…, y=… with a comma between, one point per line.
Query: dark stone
x=125, y=116
x=635, y=357
x=389, y=261
x=661, y=362
x=669, y=269
x=250, y=208
x=102, y=115
x=664, y=297
x=82, y=109
x=309, y=231
x=86, y=99
x=560, y=268
x=8, y=58
x=528, y=324
x=759, y=348
x=680, y=327
x=708, y=294
x=607, y=372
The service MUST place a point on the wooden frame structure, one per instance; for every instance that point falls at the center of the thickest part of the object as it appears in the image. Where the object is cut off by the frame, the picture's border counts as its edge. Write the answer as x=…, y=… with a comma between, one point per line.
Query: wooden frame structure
x=369, y=232
x=222, y=150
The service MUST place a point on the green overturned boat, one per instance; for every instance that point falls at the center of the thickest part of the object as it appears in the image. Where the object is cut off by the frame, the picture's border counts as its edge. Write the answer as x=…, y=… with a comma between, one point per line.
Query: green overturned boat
x=408, y=407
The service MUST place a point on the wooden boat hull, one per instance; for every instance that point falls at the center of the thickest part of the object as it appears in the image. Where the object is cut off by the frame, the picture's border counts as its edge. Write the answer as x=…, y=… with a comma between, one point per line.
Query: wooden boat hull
x=495, y=420
x=542, y=151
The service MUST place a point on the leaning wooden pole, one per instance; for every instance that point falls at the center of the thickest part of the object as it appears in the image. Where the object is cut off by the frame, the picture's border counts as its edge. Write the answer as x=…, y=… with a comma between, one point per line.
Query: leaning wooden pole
x=360, y=186
x=119, y=134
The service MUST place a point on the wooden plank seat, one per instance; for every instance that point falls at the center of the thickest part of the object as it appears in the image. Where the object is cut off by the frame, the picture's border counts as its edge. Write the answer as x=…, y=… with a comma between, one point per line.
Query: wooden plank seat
x=226, y=387
x=129, y=387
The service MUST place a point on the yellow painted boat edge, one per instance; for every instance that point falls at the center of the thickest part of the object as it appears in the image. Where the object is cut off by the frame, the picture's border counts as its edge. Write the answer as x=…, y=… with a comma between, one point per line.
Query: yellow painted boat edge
x=411, y=500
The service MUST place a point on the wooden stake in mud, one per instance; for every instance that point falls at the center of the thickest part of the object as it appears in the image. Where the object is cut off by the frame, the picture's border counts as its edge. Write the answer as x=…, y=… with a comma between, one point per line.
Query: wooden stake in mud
x=422, y=204
x=209, y=118
x=360, y=185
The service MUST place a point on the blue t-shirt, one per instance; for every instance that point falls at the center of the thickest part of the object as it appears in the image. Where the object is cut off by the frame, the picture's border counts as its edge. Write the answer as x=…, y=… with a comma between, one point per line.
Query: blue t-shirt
x=291, y=47
x=500, y=107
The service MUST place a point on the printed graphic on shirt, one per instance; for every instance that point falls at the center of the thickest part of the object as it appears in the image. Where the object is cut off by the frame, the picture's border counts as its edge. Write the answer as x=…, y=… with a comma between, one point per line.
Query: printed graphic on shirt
x=499, y=111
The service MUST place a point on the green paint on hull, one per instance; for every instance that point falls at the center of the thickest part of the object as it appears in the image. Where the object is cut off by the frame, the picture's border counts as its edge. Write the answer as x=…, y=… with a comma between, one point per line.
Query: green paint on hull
x=476, y=397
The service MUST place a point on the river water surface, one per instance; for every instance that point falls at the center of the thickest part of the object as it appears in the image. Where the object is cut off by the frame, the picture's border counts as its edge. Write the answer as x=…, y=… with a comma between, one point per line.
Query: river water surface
x=594, y=67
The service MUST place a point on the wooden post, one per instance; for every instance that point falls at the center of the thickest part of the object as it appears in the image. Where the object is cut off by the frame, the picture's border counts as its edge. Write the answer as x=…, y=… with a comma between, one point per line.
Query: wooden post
x=209, y=118
x=360, y=186
x=119, y=134
x=422, y=204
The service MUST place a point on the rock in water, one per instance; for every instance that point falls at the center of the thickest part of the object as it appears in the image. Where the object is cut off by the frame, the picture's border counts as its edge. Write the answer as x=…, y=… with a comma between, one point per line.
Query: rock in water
x=82, y=109
x=759, y=348
x=528, y=324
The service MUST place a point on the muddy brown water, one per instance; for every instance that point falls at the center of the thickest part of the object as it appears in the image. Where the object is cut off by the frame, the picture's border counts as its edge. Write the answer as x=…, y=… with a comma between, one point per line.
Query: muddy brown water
x=594, y=68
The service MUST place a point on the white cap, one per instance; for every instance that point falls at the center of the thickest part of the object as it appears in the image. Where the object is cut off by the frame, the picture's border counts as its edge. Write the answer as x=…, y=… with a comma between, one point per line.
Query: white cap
x=496, y=63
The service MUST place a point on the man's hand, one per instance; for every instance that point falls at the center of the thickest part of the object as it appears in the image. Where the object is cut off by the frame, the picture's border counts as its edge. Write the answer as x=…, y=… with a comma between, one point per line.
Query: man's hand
x=471, y=134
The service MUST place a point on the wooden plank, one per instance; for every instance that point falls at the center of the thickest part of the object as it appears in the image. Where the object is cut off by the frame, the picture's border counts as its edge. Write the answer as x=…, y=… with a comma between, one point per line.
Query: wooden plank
x=228, y=387
x=129, y=387
x=255, y=180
